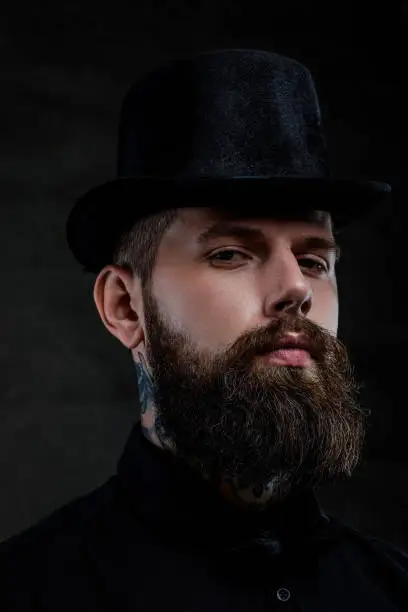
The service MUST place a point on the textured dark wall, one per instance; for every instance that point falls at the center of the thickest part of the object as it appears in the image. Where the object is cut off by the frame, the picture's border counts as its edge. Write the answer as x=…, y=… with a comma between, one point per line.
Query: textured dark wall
x=67, y=387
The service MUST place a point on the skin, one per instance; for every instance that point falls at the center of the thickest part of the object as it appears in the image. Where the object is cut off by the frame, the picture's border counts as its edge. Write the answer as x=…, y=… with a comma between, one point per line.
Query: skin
x=216, y=308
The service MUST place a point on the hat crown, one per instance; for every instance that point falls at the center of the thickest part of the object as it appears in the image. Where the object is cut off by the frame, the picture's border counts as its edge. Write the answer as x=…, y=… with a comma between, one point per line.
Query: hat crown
x=223, y=114
x=234, y=128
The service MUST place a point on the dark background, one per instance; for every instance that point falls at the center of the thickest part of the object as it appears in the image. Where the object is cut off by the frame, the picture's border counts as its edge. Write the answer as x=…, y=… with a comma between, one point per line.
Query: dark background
x=68, y=389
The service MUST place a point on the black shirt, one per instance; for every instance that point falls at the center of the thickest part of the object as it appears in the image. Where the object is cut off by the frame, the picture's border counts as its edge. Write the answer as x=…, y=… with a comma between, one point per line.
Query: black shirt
x=157, y=537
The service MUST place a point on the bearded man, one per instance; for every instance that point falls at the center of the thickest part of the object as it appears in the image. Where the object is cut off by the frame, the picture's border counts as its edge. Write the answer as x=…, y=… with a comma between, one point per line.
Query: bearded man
x=215, y=251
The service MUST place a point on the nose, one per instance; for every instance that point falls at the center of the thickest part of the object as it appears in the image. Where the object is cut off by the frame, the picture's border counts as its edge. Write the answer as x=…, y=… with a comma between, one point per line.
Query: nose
x=290, y=291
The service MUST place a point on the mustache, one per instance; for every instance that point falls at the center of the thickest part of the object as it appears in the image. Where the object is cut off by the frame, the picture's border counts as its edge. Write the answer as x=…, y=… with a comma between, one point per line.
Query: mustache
x=319, y=341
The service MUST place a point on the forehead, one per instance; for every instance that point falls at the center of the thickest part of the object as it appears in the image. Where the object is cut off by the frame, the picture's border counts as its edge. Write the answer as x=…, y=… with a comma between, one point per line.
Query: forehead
x=199, y=218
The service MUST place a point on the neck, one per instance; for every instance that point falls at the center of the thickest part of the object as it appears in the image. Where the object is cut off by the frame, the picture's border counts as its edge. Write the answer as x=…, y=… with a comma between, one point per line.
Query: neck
x=147, y=408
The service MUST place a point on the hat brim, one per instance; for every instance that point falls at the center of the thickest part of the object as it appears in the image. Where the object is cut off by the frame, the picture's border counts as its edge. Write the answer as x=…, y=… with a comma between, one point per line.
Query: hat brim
x=100, y=216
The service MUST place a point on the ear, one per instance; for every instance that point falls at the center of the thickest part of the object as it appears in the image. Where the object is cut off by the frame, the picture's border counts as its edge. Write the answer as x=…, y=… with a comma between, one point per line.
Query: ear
x=118, y=298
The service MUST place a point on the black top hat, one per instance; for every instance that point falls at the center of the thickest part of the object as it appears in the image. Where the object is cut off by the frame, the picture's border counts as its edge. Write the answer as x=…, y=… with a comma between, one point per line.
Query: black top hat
x=235, y=128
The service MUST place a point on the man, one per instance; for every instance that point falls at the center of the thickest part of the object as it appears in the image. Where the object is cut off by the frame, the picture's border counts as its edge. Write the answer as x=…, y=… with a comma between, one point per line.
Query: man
x=215, y=254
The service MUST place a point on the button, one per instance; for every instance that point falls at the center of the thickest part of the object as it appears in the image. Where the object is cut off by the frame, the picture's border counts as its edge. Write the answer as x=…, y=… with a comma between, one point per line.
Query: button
x=283, y=594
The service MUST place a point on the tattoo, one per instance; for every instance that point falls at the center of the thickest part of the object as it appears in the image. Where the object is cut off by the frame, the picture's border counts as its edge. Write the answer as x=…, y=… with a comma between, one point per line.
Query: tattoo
x=242, y=494
x=146, y=399
x=258, y=490
x=145, y=384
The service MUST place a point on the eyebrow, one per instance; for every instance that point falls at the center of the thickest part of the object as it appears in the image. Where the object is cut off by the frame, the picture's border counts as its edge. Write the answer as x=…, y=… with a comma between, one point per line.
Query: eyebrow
x=222, y=229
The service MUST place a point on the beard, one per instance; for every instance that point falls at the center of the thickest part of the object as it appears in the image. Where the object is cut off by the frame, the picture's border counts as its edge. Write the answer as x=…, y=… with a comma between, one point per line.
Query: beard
x=260, y=427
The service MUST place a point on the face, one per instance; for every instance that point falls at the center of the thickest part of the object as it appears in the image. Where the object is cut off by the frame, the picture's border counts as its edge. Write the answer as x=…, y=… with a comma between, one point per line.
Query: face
x=224, y=292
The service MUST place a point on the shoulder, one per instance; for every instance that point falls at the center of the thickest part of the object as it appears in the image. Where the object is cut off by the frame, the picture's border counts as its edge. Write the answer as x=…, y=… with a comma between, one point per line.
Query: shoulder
x=384, y=553
x=68, y=519
x=51, y=547
x=391, y=552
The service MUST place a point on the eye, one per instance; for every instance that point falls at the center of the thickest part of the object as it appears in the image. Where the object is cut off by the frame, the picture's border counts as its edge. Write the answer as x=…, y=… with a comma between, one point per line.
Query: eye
x=228, y=252
x=226, y=256
x=319, y=266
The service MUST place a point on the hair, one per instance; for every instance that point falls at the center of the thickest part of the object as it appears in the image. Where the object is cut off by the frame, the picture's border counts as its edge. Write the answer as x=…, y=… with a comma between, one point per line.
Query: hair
x=137, y=247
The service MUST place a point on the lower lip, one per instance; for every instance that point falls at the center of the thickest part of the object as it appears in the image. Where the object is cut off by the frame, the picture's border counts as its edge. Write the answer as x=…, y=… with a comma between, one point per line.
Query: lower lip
x=292, y=357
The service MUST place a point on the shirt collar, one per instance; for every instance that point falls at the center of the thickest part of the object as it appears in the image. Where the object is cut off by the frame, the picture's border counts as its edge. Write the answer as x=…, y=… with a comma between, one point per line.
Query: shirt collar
x=171, y=499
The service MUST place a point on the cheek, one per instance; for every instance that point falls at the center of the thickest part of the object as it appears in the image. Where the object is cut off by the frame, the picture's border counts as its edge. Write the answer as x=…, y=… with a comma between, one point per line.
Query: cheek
x=325, y=307
x=213, y=313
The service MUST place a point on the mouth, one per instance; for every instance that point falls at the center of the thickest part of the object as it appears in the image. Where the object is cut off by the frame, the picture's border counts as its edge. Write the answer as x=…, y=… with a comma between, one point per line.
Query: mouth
x=289, y=351
x=291, y=356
